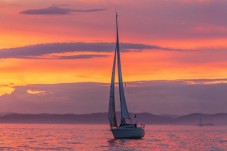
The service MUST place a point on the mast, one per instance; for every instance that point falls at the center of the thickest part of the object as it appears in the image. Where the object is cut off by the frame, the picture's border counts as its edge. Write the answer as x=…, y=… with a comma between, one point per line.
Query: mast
x=124, y=109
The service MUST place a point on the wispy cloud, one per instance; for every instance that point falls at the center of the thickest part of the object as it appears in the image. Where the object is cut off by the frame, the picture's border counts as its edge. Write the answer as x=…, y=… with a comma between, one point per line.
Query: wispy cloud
x=37, y=51
x=206, y=81
x=36, y=92
x=54, y=10
x=89, y=56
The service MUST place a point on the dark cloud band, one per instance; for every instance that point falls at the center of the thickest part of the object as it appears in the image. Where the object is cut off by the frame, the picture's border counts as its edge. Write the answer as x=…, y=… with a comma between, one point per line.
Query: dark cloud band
x=161, y=97
x=37, y=51
x=58, y=11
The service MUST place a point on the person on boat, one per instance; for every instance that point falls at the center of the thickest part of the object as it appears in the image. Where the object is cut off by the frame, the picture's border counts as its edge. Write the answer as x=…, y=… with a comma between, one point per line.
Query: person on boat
x=123, y=122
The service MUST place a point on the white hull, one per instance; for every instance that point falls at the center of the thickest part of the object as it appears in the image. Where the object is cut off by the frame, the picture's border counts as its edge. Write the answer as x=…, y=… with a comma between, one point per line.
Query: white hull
x=128, y=132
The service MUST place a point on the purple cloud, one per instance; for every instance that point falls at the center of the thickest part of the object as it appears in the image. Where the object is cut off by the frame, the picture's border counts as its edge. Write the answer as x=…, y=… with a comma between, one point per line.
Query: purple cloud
x=54, y=10
x=36, y=51
x=82, y=56
x=159, y=97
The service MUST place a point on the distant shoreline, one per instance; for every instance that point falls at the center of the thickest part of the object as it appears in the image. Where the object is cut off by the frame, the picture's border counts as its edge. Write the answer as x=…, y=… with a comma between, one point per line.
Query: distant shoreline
x=217, y=119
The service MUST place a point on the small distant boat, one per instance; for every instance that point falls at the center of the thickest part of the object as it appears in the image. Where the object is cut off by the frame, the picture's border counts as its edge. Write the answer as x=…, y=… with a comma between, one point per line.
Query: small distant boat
x=127, y=129
x=201, y=122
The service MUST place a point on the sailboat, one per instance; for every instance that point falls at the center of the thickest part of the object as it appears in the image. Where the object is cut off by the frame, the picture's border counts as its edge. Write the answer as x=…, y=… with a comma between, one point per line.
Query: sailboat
x=126, y=129
x=200, y=121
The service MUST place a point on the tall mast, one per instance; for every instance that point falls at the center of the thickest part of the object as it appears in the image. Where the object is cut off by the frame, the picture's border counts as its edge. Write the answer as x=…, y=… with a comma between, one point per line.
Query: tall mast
x=124, y=109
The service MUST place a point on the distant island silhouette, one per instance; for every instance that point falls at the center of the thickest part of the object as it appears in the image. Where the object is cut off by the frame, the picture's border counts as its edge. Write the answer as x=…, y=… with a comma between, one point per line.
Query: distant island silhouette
x=101, y=118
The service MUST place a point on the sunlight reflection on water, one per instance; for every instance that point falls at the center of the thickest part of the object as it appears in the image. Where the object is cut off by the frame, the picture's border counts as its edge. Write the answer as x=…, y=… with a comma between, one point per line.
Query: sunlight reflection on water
x=98, y=137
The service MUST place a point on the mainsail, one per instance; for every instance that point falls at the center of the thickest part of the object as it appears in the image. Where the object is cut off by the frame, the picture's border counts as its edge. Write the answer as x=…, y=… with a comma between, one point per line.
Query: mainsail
x=124, y=109
x=112, y=113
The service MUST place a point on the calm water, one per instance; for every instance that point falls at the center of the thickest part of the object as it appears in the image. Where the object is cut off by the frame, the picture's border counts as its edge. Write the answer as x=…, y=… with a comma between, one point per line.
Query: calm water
x=98, y=137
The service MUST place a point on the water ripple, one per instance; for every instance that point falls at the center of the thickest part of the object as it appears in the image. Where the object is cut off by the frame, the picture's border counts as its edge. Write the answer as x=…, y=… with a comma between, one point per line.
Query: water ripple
x=99, y=138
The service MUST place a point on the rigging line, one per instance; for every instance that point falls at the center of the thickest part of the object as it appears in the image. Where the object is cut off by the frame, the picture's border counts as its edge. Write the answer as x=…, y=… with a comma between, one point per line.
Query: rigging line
x=129, y=99
x=127, y=95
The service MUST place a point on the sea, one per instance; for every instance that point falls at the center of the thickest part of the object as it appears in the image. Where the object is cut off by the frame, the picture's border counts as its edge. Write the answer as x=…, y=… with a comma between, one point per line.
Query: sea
x=98, y=138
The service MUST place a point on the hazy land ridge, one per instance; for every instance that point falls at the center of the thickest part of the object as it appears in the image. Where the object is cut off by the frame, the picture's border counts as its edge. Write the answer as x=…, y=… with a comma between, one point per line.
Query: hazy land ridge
x=101, y=118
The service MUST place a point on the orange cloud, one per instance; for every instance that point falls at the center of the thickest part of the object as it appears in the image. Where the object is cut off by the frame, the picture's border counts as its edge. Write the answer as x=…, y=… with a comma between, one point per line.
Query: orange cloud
x=36, y=92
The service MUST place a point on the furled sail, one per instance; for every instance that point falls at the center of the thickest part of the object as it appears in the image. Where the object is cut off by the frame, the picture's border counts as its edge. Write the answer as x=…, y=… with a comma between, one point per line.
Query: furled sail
x=112, y=114
x=124, y=109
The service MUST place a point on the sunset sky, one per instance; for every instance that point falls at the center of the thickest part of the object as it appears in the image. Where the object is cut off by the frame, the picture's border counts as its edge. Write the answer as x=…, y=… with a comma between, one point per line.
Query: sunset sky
x=56, y=56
